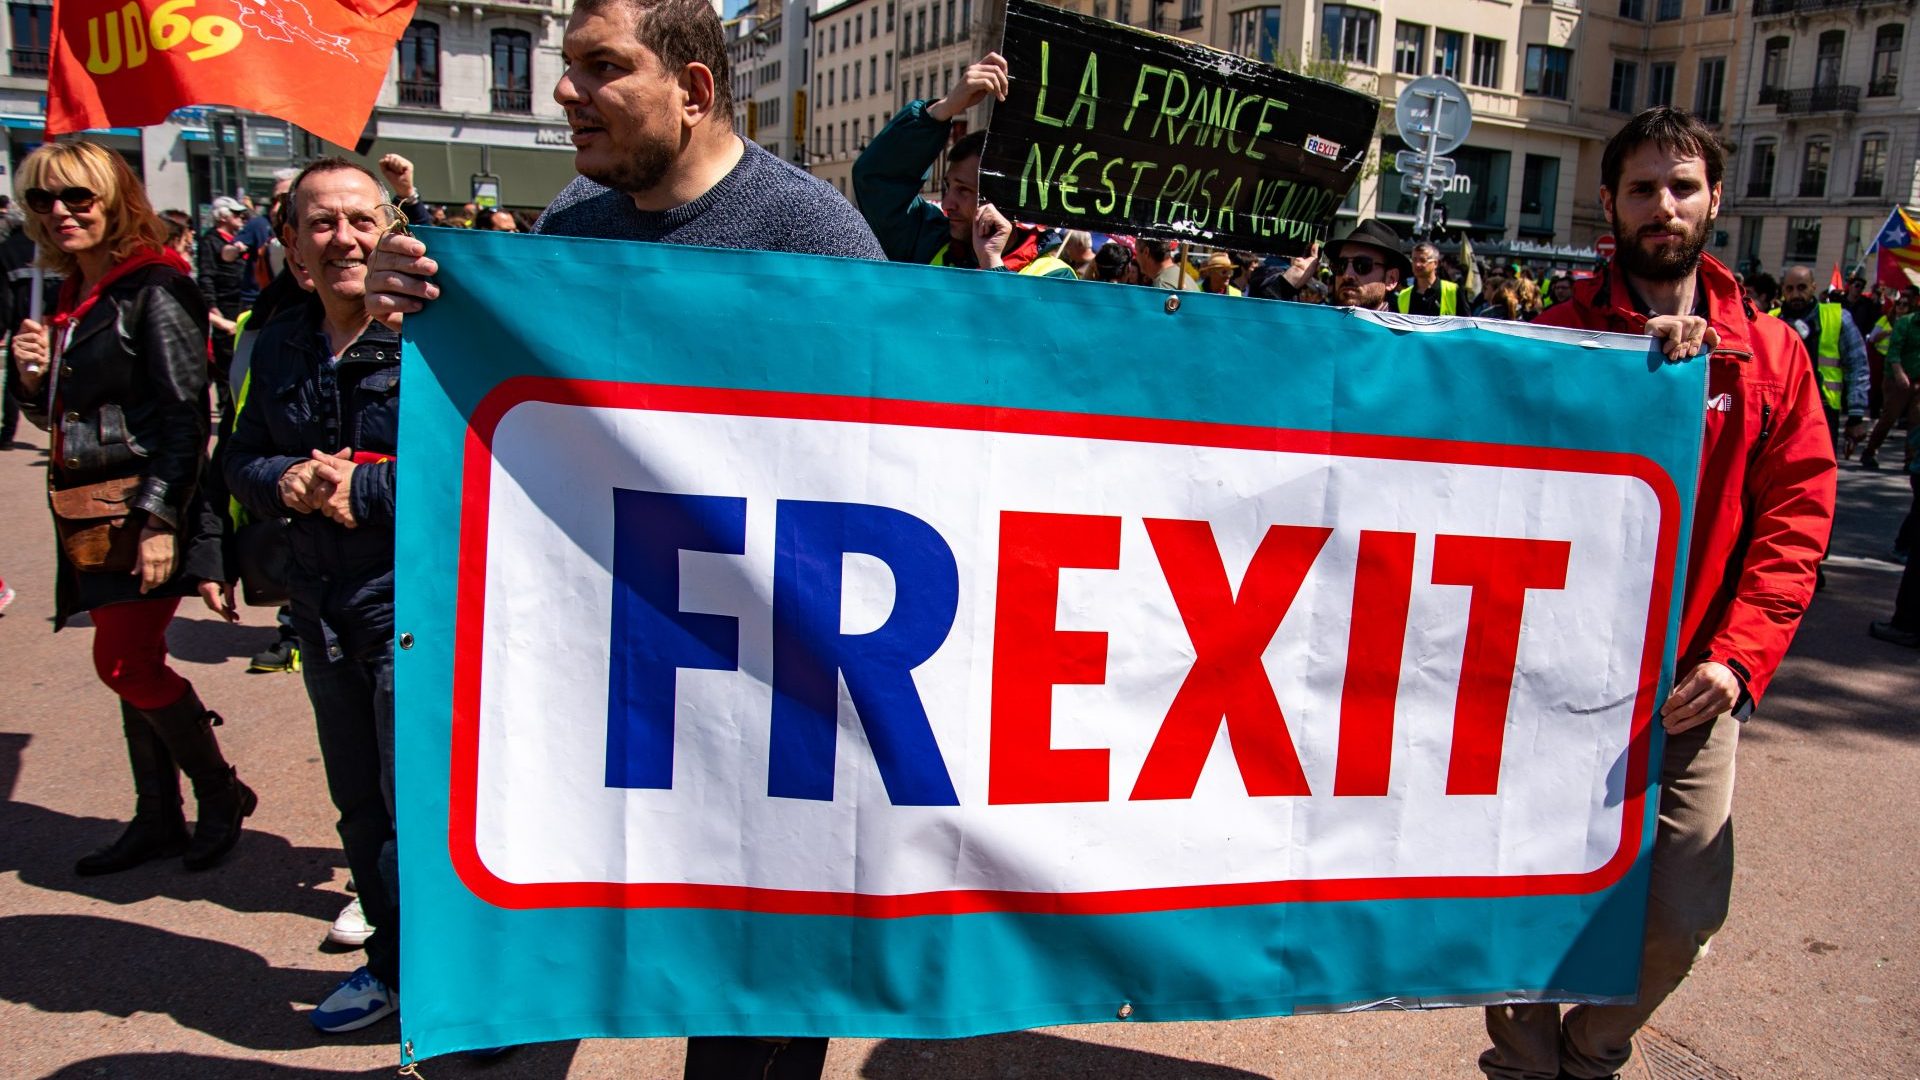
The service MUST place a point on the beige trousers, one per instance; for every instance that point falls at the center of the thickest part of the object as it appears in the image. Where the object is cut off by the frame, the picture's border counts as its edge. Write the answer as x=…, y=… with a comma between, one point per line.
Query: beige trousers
x=1686, y=903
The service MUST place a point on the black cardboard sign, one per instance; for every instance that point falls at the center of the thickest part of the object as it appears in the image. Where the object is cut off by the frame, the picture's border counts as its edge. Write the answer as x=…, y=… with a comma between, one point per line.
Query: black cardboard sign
x=1114, y=129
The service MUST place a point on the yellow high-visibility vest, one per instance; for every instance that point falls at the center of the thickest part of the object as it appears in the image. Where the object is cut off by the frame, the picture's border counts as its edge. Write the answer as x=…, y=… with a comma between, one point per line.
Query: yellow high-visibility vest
x=1449, y=298
x=1826, y=363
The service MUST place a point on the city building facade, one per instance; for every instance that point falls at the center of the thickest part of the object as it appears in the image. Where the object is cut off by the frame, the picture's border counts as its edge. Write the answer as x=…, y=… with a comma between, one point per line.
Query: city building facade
x=1828, y=132
x=852, y=93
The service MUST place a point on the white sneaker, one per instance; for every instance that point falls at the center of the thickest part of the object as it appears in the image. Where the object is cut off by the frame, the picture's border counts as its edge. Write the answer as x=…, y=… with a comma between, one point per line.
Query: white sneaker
x=350, y=928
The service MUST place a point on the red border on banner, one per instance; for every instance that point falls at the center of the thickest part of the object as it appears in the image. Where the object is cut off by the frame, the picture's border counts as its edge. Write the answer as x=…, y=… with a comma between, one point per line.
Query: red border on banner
x=470, y=613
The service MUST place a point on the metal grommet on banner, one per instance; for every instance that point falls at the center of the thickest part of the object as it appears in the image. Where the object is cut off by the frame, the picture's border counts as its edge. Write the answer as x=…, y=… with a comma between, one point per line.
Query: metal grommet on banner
x=406, y=641
x=1173, y=304
x=409, y=1067
x=1126, y=1007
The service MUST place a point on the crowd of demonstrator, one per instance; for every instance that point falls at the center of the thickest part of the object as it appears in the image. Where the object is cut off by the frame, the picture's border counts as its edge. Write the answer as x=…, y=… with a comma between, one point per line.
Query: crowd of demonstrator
x=290, y=322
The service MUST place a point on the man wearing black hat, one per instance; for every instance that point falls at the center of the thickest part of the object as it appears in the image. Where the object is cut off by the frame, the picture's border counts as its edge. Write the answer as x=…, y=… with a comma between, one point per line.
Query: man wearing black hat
x=1368, y=266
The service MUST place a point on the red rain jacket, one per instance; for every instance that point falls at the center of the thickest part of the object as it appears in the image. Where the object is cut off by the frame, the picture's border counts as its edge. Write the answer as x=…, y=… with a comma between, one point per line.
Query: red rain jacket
x=1765, y=504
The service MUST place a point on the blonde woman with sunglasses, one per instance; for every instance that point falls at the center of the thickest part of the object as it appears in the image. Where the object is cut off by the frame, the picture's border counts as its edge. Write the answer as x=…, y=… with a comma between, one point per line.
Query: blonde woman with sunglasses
x=118, y=376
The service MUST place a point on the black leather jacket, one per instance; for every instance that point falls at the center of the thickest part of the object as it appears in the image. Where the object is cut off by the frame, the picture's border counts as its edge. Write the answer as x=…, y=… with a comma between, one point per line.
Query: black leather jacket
x=133, y=402
x=133, y=392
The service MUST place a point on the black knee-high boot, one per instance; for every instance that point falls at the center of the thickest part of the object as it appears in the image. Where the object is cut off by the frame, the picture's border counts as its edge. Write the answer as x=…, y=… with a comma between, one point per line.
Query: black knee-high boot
x=157, y=830
x=186, y=726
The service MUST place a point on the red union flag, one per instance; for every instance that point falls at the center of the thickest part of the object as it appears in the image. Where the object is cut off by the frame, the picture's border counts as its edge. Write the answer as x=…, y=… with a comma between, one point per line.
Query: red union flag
x=317, y=63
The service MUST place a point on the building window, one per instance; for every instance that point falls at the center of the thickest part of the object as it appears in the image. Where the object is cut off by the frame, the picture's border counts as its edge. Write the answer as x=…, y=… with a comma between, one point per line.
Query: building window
x=829, y=87
x=859, y=31
x=1871, y=178
x=918, y=85
x=1626, y=74
x=512, y=71
x=1449, y=49
x=1256, y=33
x=1719, y=7
x=966, y=19
x=1486, y=61
x=1123, y=11
x=1539, y=194
x=1803, y=239
x=920, y=31
x=873, y=74
x=1751, y=231
x=1858, y=230
x=951, y=12
x=1190, y=14
x=1546, y=74
x=1826, y=58
x=1409, y=48
x=889, y=16
x=1708, y=89
x=1633, y=9
x=419, y=56
x=32, y=37
x=1883, y=79
x=1760, y=173
x=1667, y=10
x=1347, y=33
x=1814, y=164
x=1660, y=85
x=1773, y=70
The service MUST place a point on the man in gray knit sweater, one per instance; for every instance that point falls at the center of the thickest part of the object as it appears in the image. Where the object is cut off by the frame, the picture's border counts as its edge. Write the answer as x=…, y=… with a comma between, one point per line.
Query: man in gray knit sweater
x=646, y=90
x=647, y=94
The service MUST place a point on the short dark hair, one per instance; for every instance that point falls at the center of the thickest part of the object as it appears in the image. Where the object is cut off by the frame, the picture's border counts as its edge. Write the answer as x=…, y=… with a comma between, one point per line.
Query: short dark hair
x=1157, y=250
x=682, y=32
x=327, y=165
x=1673, y=130
x=967, y=147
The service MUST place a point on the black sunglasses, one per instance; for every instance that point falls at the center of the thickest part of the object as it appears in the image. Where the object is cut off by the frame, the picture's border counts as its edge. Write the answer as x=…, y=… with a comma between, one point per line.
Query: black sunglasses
x=77, y=200
x=1362, y=264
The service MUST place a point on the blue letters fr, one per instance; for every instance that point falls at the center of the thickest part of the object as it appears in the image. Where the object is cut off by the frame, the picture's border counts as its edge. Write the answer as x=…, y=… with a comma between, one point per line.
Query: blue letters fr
x=652, y=638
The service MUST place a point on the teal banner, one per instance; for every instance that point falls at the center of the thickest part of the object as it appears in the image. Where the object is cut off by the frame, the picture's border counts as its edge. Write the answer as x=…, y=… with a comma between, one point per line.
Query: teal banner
x=803, y=646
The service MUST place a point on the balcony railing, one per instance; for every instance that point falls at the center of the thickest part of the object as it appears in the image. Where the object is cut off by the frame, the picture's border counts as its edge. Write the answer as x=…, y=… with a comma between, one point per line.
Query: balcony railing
x=1813, y=187
x=1820, y=99
x=425, y=95
x=1760, y=189
x=1773, y=9
x=1866, y=188
x=512, y=101
x=28, y=61
x=1886, y=86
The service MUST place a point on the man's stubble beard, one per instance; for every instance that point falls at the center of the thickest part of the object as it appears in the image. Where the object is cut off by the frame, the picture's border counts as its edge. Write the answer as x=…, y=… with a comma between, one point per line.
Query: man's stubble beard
x=1672, y=265
x=642, y=170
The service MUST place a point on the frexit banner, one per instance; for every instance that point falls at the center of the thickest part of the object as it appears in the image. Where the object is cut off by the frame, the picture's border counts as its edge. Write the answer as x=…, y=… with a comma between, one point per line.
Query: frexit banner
x=809, y=646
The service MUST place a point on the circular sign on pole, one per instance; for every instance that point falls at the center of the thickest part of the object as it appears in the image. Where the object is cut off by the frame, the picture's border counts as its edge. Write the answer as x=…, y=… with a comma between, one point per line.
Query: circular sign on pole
x=1604, y=246
x=1433, y=105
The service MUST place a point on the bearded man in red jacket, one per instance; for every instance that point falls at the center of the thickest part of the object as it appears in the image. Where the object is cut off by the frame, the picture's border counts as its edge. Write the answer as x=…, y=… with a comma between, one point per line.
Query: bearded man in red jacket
x=1764, y=509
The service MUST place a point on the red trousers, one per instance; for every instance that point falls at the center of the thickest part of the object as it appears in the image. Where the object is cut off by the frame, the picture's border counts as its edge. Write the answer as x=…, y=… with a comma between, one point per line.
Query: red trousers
x=130, y=652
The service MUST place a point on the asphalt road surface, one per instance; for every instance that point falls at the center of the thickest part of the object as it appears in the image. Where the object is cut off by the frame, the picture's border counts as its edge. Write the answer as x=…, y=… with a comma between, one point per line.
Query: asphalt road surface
x=157, y=974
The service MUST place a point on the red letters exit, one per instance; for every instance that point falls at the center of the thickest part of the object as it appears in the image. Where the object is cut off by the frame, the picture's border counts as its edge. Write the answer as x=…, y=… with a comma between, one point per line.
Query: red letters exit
x=1230, y=628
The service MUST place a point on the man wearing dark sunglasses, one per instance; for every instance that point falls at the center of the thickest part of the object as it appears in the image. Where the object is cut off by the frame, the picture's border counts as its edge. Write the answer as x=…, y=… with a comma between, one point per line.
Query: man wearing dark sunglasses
x=1368, y=266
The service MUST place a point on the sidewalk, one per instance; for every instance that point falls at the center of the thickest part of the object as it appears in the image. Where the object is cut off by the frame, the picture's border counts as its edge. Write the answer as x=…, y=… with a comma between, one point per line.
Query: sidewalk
x=156, y=974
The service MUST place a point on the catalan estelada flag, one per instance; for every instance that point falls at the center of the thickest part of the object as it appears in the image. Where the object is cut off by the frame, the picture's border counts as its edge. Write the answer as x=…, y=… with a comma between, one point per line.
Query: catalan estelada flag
x=316, y=63
x=1899, y=248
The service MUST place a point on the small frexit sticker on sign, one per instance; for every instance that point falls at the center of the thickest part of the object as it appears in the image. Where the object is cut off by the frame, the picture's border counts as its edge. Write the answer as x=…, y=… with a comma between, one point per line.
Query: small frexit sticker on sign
x=1326, y=148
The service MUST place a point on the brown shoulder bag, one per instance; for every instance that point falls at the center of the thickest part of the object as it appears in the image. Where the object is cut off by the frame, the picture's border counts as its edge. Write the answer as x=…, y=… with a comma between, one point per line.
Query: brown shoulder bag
x=92, y=522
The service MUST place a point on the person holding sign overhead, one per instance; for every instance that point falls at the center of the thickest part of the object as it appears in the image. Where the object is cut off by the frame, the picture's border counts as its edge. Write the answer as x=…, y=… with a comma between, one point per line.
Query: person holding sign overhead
x=962, y=231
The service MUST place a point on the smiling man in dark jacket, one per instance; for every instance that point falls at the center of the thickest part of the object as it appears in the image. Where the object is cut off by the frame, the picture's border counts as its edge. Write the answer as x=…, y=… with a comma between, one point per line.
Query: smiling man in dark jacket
x=316, y=442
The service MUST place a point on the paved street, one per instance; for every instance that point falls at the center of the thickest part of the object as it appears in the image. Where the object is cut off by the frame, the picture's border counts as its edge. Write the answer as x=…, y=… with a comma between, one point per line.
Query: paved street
x=157, y=974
